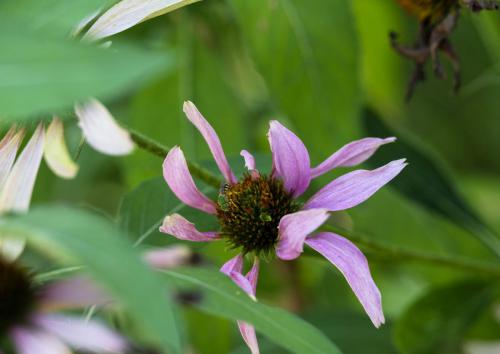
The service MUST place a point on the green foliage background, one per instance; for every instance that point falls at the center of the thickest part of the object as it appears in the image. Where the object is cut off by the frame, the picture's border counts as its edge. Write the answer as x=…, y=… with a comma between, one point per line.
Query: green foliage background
x=324, y=68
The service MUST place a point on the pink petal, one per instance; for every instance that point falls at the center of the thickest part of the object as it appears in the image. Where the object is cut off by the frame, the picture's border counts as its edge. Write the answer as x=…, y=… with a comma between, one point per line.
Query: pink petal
x=8, y=151
x=354, y=188
x=249, y=160
x=178, y=178
x=211, y=138
x=290, y=159
x=248, y=333
x=101, y=130
x=84, y=335
x=73, y=293
x=351, y=154
x=235, y=264
x=37, y=342
x=169, y=257
x=248, y=283
x=294, y=228
x=351, y=262
x=18, y=188
x=177, y=226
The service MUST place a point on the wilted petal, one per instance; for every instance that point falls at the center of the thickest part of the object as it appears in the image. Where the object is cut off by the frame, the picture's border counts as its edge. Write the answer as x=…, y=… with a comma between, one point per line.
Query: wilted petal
x=37, y=342
x=18, y=188
x=8, y=151
x=248, y=284
x=249, y=160
x=354, y=188
x=169, y=257
x=56, y=153
x=177, y=226
x=351, y=154
x=101, y=130
x=73, y=293
x=211, y=138
x=294, y=228
x=351, y=262
x=82, y=334
x=128, y=13
x=178, y=178
x=290, y=159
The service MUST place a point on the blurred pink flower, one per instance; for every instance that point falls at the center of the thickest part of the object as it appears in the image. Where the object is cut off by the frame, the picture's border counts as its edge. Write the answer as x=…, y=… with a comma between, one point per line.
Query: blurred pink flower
x=29, y=315
x=260, y=214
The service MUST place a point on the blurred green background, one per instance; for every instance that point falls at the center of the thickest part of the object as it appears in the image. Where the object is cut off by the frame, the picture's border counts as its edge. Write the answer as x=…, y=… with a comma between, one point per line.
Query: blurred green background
x=326, y=70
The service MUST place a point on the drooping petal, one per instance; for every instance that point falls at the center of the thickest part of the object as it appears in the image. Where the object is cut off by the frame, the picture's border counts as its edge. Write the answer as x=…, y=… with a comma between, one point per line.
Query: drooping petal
x=351, y=262
x=128, y=13
x=169, y=257
x=8, y=151
x=37, y=342
x=351, y=154
x=18, y=188
x=294, y=228
x=82, y=334
x=73, y=293
x=56, y=152
x=290, y=159
x=101, y=130
x=247, y=283
x=249, y=160
x=235, y=264
x=355, y=187
x=178, y=178
x=179, y=227
x=212, y=140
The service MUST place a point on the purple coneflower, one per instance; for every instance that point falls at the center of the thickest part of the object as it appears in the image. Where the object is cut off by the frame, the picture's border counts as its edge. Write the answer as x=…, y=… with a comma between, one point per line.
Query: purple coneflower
x=261, y=214
x=30, y=322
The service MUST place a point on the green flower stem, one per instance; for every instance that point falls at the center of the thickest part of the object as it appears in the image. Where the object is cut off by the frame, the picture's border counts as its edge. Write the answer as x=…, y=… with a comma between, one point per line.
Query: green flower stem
x=405, y=255
x=393, y=252
x=161, y=151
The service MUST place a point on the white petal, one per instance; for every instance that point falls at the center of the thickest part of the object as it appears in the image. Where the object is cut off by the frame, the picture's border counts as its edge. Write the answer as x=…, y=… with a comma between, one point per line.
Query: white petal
x=8, y=151
x=128, y=13
x=18, y=188
x=56, y=153
x=101, y=130
x=90, y=336
x=11, y=247
x=37, y=342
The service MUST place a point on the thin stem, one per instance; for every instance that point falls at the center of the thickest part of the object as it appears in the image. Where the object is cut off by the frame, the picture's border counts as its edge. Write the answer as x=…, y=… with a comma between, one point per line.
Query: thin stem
x=394, y=252
x=161, y=151
x=406, y=255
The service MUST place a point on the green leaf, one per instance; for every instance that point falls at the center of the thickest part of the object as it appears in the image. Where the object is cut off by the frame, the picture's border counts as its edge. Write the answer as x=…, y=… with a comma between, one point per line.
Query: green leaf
x=438, y=322
x=79, y=237
x=143, y=210
x=308, y=57
x=41, y=74
x=221, y=297
x=57, y=17
x=425, y=182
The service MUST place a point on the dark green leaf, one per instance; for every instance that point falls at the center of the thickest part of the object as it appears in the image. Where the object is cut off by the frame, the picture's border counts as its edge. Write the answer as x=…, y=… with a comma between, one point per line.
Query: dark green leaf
x=221, y=297
x=439, y=321
x=425, y=182
x=308, y=57
x=79, y=237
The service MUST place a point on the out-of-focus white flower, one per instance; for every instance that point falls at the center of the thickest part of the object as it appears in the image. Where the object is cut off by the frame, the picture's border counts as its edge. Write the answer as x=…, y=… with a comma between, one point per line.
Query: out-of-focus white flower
x=101, y=130
x=56, y=152
x=128, y=13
